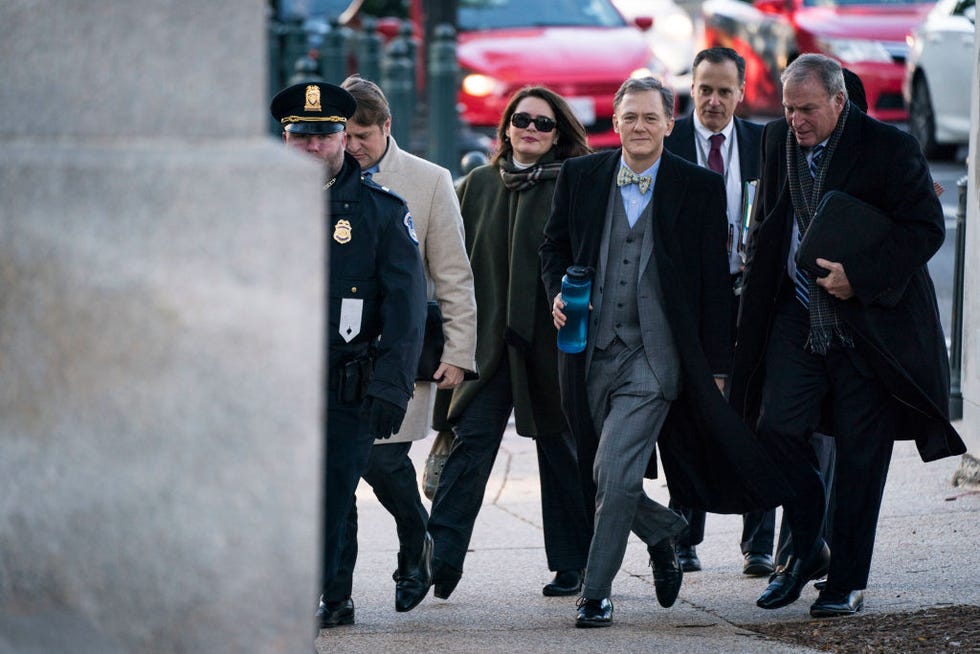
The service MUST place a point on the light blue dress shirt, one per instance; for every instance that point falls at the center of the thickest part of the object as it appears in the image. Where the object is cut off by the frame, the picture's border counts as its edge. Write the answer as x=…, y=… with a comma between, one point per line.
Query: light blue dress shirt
x=634, y=201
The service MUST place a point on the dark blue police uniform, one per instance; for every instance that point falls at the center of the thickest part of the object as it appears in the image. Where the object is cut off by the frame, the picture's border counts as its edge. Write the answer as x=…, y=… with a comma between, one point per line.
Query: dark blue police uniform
x=377, y=289
x=376, y=306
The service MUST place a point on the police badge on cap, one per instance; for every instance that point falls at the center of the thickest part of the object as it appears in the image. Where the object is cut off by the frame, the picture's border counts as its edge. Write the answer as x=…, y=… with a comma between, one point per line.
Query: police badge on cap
x=313, y=108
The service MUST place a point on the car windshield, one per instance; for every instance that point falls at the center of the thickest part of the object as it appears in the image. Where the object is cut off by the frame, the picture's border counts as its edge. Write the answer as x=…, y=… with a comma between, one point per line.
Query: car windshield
x=324, y=9
x=501, y=14
x=851, y=3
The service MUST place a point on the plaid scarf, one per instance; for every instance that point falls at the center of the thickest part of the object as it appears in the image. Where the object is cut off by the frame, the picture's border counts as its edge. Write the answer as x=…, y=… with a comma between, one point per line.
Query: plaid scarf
x=805, y=192
x=516, y=179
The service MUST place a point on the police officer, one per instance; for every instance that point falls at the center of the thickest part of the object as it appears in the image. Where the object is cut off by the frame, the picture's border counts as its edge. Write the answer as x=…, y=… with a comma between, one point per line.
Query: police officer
x=376, y=312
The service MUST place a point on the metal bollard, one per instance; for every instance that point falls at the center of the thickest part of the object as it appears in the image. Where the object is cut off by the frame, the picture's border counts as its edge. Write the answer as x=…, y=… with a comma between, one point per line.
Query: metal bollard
x=369, y=51
x=292, y=45
x=333, y=53
x=397, y=72
x=443, y=120
x=287, y=45
x=407, y=33
x=275, y=36
x=956, y=328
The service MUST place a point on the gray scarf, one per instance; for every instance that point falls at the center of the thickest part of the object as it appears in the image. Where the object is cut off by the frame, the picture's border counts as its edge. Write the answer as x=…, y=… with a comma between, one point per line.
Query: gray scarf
x=806, y=191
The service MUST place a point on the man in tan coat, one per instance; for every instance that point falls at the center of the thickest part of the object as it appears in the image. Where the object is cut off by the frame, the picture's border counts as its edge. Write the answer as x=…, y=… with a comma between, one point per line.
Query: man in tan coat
x=428, y=191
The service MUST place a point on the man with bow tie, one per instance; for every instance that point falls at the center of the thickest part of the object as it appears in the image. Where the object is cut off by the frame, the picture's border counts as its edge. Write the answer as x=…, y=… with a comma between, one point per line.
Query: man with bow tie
x=714, y=137
x=654, y=229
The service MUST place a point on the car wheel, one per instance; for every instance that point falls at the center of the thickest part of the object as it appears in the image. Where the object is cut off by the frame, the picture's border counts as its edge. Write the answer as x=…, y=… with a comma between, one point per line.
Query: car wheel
x=922, y=122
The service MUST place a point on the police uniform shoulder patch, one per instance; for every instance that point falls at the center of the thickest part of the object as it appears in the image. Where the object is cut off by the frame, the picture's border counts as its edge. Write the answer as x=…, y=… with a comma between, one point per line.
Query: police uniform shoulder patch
x=410, y=227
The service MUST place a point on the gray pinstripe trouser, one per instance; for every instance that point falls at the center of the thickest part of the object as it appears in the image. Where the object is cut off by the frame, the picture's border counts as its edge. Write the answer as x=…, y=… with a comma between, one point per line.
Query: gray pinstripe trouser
x=629, y=409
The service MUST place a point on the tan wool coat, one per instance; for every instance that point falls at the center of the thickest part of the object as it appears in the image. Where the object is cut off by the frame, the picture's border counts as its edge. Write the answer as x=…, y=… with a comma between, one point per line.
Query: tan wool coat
x=428, y=191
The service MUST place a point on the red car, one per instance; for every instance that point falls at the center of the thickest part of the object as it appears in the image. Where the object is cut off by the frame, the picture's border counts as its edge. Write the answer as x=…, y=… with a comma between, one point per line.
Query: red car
x=866, y=36
x=581, y=49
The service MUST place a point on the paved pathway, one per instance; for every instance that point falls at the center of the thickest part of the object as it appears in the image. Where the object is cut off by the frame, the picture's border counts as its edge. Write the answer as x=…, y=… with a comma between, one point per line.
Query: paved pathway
x=927, y=554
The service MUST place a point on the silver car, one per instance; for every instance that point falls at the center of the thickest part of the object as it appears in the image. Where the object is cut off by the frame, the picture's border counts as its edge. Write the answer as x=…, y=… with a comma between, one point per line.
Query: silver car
x=939, y=78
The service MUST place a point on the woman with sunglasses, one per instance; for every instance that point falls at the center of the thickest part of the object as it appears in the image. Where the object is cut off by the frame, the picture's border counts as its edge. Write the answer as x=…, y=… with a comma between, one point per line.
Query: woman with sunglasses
x=505, y=205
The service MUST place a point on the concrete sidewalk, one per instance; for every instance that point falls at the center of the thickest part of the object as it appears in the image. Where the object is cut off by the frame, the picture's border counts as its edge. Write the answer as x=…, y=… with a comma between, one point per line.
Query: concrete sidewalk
x=927, y=555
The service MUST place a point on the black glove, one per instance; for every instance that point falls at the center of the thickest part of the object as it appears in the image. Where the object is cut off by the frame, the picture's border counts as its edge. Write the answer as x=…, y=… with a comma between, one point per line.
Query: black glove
x=383, y=418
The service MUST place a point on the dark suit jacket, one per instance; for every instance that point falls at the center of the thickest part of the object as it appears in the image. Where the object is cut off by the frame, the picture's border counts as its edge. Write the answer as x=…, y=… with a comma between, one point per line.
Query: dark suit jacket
x=902, y=340
x=748, y=136
x=710, y=458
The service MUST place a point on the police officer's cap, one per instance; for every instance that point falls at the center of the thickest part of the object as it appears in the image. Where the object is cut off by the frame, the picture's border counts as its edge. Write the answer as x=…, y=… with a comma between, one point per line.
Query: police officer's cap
x=313, y=108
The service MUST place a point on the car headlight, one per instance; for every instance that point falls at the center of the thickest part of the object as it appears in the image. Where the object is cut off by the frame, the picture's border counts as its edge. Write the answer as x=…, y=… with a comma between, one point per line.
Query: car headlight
x=855, y=50
x=478, y=85
x=677, y=26
x=654, y=68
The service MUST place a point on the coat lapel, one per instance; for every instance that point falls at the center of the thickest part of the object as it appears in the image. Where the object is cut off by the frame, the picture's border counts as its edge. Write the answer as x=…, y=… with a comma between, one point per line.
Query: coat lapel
x=668, y=193
x=748, y=156
x=850, y=142
x=681, y=140
x=592, y=197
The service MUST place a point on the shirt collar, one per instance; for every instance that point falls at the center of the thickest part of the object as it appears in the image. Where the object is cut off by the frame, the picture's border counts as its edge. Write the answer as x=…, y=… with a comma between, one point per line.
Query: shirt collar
x=650, y=172
x=706, y=133
x=377, y=164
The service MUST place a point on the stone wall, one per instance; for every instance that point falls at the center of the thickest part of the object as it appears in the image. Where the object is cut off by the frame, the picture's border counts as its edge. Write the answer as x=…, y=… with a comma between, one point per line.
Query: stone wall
x=161, y=284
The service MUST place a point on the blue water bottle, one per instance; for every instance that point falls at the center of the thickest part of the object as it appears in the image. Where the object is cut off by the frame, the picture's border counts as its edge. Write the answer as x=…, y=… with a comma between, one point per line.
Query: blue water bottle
x=576, y=291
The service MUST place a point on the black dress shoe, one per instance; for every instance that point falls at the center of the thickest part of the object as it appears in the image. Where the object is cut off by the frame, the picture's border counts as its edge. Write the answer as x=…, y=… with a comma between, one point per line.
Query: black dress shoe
x=820, y=585
x=413, y=578
x=786, y=585
x=566, y=582
x=832, y=604
x=444, y=577
x=758, y=564
x=334, y=614
x=689, y=558
x=594, y=613
x=667, y=571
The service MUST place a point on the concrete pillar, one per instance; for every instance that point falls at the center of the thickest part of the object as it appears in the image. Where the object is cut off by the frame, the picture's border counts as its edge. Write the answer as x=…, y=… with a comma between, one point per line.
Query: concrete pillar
x=161, y=285
x=969, y=471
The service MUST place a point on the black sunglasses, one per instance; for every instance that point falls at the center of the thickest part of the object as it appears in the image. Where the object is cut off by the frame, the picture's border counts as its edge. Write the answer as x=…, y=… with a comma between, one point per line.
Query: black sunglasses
x=522, y=120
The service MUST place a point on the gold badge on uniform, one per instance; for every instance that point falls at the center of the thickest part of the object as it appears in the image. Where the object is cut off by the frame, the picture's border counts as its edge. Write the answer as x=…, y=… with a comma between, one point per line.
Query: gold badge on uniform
x=313, y=98
x=341, y=232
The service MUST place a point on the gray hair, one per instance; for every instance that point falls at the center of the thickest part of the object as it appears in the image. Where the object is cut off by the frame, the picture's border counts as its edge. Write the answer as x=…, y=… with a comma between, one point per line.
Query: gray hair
x=641, y=84
x=824, y=69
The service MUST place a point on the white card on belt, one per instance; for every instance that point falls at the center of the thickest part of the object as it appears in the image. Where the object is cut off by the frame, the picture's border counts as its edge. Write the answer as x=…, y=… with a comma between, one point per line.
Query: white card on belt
x=350, y=318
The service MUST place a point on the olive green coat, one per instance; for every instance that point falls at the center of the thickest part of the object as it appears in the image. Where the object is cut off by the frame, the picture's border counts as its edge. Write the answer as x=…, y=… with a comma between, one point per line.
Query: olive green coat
x=503, y=230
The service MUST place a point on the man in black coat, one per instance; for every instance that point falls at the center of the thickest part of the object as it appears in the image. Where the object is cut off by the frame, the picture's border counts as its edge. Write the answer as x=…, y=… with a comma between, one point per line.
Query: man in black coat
x=858, y=353
x=713, y=137
x=653, y=227
x=376, y=288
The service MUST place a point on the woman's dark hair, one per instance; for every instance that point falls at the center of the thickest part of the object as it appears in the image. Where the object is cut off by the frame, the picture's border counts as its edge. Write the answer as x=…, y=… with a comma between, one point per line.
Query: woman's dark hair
x=572, y=141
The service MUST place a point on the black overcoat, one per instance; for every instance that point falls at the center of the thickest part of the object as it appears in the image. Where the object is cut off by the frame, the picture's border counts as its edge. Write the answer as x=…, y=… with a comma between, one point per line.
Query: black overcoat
x=711, y=460
x=894, y=315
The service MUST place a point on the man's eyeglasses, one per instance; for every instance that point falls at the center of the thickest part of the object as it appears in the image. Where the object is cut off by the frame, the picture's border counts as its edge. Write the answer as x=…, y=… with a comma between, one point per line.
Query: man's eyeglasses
x=522, y=120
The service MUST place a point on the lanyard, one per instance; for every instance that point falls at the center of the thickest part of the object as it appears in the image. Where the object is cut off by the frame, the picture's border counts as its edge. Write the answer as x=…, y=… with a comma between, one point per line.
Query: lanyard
x=704, y=155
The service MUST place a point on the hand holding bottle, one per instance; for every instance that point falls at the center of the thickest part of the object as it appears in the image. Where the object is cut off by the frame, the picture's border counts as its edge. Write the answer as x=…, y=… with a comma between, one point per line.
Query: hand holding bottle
x=571, y=307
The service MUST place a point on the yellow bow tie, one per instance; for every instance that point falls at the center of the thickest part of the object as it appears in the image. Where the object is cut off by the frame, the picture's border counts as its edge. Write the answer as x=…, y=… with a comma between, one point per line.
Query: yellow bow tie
x=627, y=176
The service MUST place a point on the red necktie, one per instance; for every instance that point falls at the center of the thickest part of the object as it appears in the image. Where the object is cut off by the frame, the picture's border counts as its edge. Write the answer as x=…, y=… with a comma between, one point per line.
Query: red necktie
x=714, y=156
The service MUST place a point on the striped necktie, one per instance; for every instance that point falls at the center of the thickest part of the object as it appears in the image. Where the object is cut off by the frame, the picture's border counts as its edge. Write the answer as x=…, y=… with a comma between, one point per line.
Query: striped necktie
x=802, y=280
x=816, y=154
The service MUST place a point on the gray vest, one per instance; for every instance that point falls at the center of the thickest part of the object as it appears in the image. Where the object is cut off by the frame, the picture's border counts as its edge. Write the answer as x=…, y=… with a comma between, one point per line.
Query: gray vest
x=620, y=315
x=629, y=301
